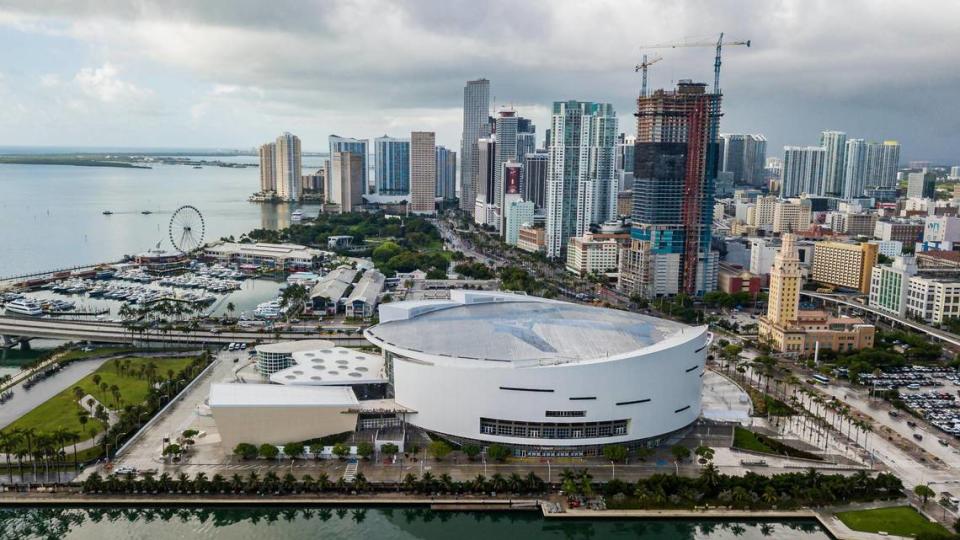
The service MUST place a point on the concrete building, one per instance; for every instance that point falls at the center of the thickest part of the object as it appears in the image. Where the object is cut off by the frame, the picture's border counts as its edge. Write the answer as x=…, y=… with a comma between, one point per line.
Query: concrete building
x=676, y=166
x=531, y=239
x=933, y=300
x=855, y=168
x=844, y=265
x=744, y=155
x=290, y=257
x=922, y=185
x=853, y=223
x=889, y=248
x=357, y=147
x=268, y=173
x=446, y=174
x=543, y=377
x=346, y=181
x=889, y=285
x=588, y=254
x=506, y=151
x=762, y=253
x=802, y=171
x=533, y=186
x=939, y=229
x=330, y=292
x=788, y=329
x=765, y=212
x=485, y=211
x=423, y=172
x=906, y=232
x=392, y=165
x=273, y=357
x=581, y=180
x=735, y=279
x=287, y=167
x=791, y=216
x=273, y=414
x=517, y=213
x=834, y=144
x=476, y=110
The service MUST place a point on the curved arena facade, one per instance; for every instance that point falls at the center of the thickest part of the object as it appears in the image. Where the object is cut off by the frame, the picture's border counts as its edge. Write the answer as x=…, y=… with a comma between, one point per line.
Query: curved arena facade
x=542, y=376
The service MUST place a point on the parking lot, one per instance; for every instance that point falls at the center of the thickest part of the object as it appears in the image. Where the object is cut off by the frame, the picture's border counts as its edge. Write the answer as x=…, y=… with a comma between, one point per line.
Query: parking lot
x=931, y=392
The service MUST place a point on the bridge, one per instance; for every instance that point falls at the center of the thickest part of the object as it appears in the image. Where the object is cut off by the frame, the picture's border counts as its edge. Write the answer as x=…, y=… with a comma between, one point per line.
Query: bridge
x=109, y=332
x=947, y=337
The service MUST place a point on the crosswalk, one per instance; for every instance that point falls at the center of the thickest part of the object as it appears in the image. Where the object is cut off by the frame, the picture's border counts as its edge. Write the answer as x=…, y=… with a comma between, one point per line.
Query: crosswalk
x=350, y=472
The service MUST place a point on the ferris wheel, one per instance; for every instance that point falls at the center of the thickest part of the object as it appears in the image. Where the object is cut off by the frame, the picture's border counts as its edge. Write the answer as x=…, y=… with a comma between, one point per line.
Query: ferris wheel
x=186, y=229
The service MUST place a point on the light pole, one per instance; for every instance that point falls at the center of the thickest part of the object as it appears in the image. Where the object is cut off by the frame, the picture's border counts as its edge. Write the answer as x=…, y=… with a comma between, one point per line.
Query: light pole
x=613, y=470
x=549, y=475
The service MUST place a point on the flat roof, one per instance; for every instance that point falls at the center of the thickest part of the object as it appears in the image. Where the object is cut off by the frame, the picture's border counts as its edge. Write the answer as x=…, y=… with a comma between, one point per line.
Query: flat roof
x=274, y=395
x=524, y=329
x=332, y=366
x=290, y=347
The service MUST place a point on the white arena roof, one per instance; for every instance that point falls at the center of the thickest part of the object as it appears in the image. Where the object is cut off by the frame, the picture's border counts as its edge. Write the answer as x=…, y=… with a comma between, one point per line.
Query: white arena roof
x=332, y=366
x=290, y=347
x=272, y=395
x=512, y=328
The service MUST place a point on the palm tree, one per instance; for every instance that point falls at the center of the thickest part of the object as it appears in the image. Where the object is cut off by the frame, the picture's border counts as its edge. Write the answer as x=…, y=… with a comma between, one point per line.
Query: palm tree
x=7, y=443
x=29, y=435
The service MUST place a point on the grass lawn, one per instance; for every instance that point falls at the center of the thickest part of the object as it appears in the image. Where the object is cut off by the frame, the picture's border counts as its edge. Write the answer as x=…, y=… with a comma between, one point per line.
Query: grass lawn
x=899, y=520
x=746, y=439
x=78, y=354
x=61, y=410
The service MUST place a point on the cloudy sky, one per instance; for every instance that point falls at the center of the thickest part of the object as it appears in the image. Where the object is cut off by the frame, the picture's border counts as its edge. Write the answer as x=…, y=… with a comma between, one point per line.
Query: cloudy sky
x=218, y=73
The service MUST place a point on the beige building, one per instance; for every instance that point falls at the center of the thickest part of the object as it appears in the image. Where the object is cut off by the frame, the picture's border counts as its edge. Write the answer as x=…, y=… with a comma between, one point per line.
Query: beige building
x=787, y=329
x=268, y=175
x=844, y=265
x=288, y=167
x=791, y=216
x=762, y=212
x=589, y=254
x=423, y=172
x=277, y=414
x=531, y=239
x=346, y=181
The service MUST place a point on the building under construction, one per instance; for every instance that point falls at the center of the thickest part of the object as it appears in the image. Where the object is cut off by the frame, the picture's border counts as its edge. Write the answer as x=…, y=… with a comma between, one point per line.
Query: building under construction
x=675, y=168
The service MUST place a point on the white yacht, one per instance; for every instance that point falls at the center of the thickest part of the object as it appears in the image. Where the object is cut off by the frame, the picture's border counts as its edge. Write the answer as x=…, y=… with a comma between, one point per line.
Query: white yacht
x=24, y=306
x=297, y=215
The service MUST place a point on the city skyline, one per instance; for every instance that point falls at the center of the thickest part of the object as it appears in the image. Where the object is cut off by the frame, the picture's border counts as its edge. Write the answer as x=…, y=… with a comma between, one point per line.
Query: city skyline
x=178, y=72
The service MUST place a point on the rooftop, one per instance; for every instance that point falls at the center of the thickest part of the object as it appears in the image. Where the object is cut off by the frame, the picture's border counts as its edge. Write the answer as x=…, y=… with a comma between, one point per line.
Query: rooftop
x=513, y=328
x=332, y=366
x=290, y=347
x=273, y=395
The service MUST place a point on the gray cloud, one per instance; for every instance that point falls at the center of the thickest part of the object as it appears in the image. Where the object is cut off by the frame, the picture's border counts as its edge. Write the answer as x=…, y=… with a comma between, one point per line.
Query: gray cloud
x=875, y=69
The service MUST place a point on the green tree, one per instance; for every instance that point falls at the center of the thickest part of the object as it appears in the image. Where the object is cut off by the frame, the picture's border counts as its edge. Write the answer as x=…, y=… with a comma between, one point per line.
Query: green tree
x=365, y=450
x=679, y=453
x=389, y=449
x=924, y=492
x=439, y=449
x=497, y=452
x=471, y=451
x=293, y=450
x=341, y=450
x=268, y=451
x=615, y=452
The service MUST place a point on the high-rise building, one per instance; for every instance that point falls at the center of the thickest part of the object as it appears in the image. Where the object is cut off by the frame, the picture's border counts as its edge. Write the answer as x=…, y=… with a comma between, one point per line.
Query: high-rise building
x=510, y=173
x=534, y=183
x=287, y=164
x=673, y=194
x=834, y=144
x=506, y=133
x=889, y=163
x=345, y=180
x=358, y=147
x=802, y=171
x=844, y=265
x=581, y=181
x=526, y=137
x=392, y=165
x=446, y=173
x=268, y=174
x=483, y=205
x=954, y=173
x=516, y=214
x=922, y=185
x=476, y=110
x=783, y=300
x=855, y=169
x=889, y=285
x=744, y=155
x=423, y=172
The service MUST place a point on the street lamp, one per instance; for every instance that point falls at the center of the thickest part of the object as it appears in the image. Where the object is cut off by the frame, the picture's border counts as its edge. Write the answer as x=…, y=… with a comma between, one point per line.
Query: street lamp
x=613, y=467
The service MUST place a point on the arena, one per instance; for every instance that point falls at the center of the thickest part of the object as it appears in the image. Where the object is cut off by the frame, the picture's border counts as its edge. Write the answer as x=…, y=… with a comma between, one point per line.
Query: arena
x=541, y=376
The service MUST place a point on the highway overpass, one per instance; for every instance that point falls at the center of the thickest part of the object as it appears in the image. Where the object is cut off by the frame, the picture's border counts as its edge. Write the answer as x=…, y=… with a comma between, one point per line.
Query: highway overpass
x=946, y=337
x=108, y=332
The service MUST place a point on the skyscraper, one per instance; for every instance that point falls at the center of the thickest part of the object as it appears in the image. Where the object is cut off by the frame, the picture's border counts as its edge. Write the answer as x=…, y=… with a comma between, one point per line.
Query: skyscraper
x=855, y=169
x=581, y=181
x=446, y=173
x=626, y=147
x=359, y=147
x=287, y=165
x=921, y=184
x=506, y=132
x=744, y=155
x=889, y=162
x=476, y=110
x=392, y=165
x=534, y=183
x=834, y=144
x=483, y=213
x=423, y=172
x=677, y=158
x=268, y=174
x=526, y=137
x=802, y=171
x=345, y=181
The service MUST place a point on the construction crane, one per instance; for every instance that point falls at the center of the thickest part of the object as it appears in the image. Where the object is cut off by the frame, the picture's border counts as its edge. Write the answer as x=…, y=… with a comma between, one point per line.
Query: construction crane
x=643, y=67
x=719, y=44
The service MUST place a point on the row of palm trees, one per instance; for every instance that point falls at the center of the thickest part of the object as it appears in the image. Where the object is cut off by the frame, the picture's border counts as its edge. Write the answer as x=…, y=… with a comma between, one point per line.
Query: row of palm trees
x=273, y=484
x=43, y=451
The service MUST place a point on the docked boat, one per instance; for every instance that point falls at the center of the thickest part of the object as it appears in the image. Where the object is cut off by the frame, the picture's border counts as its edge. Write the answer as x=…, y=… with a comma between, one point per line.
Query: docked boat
x=297, y=215
x=24, y=306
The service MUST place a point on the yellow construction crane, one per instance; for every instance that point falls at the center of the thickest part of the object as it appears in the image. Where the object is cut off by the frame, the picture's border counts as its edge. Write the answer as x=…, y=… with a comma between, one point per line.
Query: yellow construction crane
x=643, y=67
x=719, y=44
